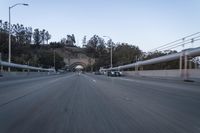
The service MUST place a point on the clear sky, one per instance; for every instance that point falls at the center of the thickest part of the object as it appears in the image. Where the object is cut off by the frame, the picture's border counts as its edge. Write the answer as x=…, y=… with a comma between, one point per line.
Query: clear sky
x=145, y=23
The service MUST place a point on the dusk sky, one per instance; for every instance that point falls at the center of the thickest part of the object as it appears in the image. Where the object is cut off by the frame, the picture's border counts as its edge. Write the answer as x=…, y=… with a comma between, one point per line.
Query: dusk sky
x=145, y=23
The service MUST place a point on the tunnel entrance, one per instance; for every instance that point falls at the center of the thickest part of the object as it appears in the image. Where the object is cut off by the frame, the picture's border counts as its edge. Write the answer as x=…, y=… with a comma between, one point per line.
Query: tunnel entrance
x=77, y=66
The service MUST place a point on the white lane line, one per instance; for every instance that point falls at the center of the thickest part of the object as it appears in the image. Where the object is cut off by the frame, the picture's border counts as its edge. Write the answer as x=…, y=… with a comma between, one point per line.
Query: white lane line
x=126, y=79
x=89, y=78
x=94, y=80
x=61, y=78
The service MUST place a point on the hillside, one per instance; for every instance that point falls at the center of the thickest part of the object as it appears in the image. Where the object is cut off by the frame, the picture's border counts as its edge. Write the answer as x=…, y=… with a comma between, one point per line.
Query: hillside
x=41, y=56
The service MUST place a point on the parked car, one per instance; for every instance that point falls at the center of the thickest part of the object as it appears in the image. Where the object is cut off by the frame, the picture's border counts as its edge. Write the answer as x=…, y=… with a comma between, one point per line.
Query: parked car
x=114, y=73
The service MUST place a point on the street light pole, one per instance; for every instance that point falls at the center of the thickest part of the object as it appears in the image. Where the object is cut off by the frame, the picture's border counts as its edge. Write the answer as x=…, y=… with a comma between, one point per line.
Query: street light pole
x=9, y=46
x=111, y=65
x=110, y=51
x=54, y=59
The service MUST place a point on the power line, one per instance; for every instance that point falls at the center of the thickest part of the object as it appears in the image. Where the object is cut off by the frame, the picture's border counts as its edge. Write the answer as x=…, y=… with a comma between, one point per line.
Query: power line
x=179, y=43
x=182, y=39
x=185, y=43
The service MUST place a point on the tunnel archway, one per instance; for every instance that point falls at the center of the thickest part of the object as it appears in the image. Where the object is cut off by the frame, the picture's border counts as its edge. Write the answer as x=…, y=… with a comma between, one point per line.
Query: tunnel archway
x=73, y=66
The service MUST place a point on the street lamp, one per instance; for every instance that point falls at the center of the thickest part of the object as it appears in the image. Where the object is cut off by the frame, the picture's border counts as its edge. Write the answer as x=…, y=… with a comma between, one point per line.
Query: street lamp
x=54, y=59
x=9, y=47
x=110, y=51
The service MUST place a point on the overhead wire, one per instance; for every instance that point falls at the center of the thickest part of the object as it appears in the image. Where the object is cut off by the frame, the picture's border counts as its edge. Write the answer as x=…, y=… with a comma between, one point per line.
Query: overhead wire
x=192, y=40
x=176, y=42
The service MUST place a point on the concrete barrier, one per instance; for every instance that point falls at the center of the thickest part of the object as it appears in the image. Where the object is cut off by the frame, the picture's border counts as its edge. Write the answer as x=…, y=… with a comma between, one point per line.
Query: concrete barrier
x=193, y=74
x=24, y=74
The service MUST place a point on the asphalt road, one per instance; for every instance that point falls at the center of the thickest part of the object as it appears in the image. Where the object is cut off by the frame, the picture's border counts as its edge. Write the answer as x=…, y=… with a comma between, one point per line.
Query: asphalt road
x=89, y=103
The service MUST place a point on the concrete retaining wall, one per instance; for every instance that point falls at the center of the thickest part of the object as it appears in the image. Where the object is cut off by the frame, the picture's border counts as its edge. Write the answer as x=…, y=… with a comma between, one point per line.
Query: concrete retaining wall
x=191, y=73
x=24, y=74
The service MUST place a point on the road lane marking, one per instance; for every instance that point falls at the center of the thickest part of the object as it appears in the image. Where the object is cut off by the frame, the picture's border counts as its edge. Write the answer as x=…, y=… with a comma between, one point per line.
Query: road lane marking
x=89, y=78
x=60, y=78
x=126, y=79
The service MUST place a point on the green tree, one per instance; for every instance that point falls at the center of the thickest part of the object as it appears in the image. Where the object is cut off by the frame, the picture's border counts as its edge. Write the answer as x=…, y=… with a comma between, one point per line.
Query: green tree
x=28, y=35
x=4, y=39
x=160, y=66
x=70, y=40
x=42, y=35
x=5, y=27
x=91, y=47
x=37, y=37
x=47, y=37
x=63, y=41
x=124, y=53
x=97, y=50
x=1, y=26
x=46, y=59
x=18, y=31
x=84, y=41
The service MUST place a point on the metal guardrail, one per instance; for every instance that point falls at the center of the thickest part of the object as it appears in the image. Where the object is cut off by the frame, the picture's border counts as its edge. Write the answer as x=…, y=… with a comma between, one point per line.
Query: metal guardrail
x=13, y=65
x=192, y=52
